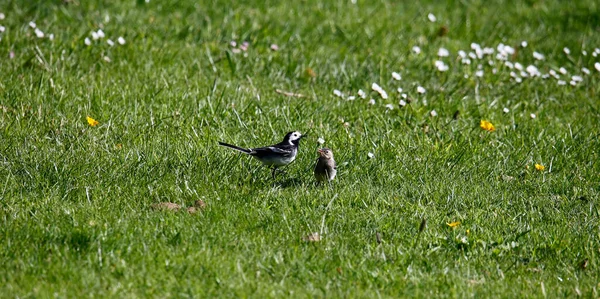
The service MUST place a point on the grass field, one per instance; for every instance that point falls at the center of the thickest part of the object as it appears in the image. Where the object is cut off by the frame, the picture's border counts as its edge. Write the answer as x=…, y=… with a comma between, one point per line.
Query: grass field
x=76, y=216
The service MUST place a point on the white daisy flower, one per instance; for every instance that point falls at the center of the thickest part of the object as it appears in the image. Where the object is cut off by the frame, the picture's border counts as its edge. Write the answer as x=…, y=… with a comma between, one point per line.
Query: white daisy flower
x=509, y=64
x=462, y=54
x=416, y=50
x=422, y=90
x=320, y=140
x=87, y=41
x=573, y=83
x=585, y=71
x=597, y=66
x=396, y=76
x=95, y=35
x=494, y=70
x=2, y=16
x=351, y=98
x=532, y=115
x=376, y=87
x=404, y=96
x=431, y=17
x=100, y=33
x=505, y=110
x=337, y=93
x=518, y=80
x=383, y=94
x=524, y=74
x=552, y=73
x=545, y=76
x=577, y=78
x=466, y=61
x=566, y=50
x=371, y=155
x=433, y=113
x=479, y=73
x=532, y=70
x=538, y=56
x=518, y=66
x=524, y=44
x=441, y=66
x=110, y=42
x=509, y=50
x=442, y=52
x=2, y=28
x=39, y=33
x=121, y=40
x=51, y=36
x=563, y=70
x=472, y=55
x=488, y=51
x=379, y=90
x=389, y=106
x=561, y=82
x=371, y=102
x=402, y=103
x=32, y=24
x=399, y=89
x=513, y=74
x=362, y=94
x=106, y=58
x=584, y=52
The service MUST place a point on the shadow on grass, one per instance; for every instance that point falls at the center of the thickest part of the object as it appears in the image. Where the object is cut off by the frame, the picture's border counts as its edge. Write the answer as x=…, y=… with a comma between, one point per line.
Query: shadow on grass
x=288, y=182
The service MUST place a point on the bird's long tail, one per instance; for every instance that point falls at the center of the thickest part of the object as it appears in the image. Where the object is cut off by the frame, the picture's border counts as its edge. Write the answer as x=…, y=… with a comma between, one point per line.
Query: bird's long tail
x=237, y=148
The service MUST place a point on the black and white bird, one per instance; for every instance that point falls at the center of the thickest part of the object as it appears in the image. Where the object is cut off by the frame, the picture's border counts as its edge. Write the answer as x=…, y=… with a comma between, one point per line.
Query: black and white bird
x=276, y=155
x=325, y=169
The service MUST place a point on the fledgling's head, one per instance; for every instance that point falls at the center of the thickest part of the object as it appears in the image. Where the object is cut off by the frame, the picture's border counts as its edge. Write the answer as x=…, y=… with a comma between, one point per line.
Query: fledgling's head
x=325, y=153
x=293, y=137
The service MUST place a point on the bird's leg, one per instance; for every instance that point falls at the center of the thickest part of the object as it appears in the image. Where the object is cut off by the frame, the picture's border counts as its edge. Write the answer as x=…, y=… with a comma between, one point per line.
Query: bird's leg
x=274, y=171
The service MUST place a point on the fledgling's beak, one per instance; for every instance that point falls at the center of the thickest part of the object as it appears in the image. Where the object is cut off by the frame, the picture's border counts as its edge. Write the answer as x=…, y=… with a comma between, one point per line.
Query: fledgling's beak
x=321, y=153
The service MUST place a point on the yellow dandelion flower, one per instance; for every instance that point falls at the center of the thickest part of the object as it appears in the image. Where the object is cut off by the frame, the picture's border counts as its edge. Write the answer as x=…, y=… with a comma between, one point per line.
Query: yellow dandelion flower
x=453, y=224
x=486, y=125
x=540, y=167
x=92, y=121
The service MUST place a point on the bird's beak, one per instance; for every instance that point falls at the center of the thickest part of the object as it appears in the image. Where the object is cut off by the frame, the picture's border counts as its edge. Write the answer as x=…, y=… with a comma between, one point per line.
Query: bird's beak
x=302, y=136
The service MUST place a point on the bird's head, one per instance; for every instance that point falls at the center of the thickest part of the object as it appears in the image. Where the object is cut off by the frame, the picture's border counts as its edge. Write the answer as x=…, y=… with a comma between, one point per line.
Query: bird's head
x=325, y=153
x=293, y=138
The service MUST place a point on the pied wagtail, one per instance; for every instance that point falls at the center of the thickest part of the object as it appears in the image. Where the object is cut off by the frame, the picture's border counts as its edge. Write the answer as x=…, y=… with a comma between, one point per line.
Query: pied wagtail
x=325, y=170
x=275, y=155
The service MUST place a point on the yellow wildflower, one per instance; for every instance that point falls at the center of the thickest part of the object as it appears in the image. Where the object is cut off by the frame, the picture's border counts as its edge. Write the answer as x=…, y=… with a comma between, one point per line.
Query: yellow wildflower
x=453, y=224
x=92, y=121
x=540, y=167
x=486, y=125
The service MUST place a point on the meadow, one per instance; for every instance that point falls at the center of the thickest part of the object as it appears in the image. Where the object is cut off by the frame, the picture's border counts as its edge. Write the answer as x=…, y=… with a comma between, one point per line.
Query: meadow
x=466, y=135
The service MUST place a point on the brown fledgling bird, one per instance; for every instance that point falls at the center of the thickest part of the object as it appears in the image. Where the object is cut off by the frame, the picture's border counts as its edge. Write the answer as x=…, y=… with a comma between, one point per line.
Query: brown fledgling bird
x=325, y=170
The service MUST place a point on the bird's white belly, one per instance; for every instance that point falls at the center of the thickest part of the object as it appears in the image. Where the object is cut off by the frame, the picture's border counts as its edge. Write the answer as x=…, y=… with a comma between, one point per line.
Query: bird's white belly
x=278, y=161
x=329, y=175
